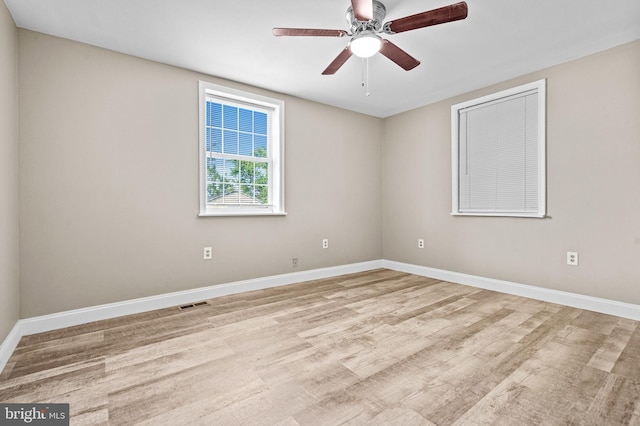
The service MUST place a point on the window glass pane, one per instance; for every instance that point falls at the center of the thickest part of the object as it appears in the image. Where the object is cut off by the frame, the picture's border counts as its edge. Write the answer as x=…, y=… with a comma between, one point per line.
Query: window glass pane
x=262, y=173
x=260, y=149
x=246, y=120
x=230, y=142
x=230, y=117
x=230, y=170
x=214, y=114
x=262, y=194
x=247, y=193
x=511, y=161
x=246, y=144
x=213, y=170
x=482, y=152
x=216, y=140
x=231, y=193
x=247, y=171
x=260, y=123
x=213, y=192
x=531, y=178
x=214, y=179
x=210, y=169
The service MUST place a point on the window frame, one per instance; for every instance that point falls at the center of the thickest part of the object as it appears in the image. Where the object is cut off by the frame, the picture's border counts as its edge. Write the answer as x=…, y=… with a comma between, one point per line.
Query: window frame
x=275, y=150
x=538, y=87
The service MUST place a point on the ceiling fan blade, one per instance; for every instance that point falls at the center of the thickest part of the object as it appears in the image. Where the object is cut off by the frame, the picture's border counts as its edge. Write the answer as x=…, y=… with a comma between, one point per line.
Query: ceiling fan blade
x=453, y=12
x=338, y=62
x=399, y=56
x=362, y=9
x=279, y=32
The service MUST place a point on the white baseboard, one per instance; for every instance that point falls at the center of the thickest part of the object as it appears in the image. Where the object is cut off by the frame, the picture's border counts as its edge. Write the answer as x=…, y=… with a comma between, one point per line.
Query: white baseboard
x=59, y=320
x=596, y=304
x=9, y=345
x=56, y=321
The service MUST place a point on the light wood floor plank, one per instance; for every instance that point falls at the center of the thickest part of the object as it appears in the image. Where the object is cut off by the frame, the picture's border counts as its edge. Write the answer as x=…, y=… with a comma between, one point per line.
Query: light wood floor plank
x=373, y=348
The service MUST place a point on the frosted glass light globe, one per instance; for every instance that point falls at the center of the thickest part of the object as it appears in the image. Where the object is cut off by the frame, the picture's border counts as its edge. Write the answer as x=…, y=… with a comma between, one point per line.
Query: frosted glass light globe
x=366, y=45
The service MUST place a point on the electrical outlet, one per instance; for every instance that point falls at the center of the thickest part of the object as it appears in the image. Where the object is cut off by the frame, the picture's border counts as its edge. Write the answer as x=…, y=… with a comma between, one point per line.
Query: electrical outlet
x=572, y=258
x=420, y=243
x=207, y=253
x=294, y=262
x=325, y=243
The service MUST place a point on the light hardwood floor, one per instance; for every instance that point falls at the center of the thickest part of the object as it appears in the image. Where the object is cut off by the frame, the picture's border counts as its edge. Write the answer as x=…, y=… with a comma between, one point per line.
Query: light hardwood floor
x=374, y=348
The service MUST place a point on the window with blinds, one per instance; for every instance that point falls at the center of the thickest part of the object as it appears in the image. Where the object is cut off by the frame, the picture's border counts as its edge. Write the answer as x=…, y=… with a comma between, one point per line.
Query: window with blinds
x=241, y=147
x=498, y=153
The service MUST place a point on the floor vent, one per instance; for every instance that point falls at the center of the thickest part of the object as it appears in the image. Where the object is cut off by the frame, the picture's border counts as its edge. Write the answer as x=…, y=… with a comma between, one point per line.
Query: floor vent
x=192, y=305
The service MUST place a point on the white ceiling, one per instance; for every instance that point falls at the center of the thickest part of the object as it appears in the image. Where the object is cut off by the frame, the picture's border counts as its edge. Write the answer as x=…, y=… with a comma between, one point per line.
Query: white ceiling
x=232, y=39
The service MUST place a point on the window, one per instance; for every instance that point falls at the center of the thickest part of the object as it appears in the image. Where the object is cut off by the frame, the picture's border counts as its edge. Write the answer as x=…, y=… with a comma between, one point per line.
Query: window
x=498, y=153
x=241, y=153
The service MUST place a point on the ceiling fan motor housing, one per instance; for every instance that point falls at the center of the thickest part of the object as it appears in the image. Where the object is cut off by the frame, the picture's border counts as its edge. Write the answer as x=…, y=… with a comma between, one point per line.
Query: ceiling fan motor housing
x=374, y=25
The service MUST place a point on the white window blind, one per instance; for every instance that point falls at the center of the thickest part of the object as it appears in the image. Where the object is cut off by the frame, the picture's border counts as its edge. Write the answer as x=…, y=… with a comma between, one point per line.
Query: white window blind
x=237, y=148
x=498, y=154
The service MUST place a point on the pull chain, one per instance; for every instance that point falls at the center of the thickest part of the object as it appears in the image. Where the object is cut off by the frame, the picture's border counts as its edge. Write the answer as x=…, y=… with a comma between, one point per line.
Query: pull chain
x=365, y=75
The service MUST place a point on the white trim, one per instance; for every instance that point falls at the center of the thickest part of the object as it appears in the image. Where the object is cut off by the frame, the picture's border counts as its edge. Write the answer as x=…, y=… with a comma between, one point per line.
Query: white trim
x=56, y=321
x=10, y=344
x=539, y=87
x=275, y=156
x=527, y=88
x=596, y=304
x=237, y=212
x=74, y=317
x=112, y=310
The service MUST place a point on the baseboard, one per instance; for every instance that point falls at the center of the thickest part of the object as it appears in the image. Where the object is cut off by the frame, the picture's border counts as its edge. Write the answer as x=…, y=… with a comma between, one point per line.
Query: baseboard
x=9, y=345
x=65, y=319
x=56, y=321
x=605, y=306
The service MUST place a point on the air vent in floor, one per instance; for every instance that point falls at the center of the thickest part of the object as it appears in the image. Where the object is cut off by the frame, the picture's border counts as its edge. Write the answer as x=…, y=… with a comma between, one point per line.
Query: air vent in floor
x=192, y=305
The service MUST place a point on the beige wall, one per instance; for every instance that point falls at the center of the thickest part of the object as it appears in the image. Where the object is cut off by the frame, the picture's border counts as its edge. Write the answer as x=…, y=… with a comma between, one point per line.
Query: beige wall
x=109, y=184
x=593, y=198
x=9, y=282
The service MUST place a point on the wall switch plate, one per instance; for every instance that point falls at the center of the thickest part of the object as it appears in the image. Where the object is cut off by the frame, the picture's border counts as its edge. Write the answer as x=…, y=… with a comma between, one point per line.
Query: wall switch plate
x=420, y=243
x=207, y=253
x=325, y=243
x=572, y=258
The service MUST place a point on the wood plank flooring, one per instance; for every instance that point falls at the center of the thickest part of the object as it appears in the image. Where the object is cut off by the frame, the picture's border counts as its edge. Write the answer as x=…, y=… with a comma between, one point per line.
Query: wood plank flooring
x=375, y=348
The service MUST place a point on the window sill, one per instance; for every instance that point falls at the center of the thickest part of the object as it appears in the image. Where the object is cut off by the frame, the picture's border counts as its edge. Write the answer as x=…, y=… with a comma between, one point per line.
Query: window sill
x=243, y=213
x=496, y=214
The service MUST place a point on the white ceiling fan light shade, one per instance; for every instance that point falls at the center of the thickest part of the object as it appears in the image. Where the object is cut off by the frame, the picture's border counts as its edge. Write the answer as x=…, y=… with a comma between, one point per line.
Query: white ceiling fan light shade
x=365, y=45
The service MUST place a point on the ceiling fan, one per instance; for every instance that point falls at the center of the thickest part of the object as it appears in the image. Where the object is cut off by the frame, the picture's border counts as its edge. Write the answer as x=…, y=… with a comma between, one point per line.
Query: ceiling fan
x=365, y=18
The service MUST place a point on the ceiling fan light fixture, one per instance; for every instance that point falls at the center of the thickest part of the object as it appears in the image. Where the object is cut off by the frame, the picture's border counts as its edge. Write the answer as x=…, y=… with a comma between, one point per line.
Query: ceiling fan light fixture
x=365, y=18
x=366, y=45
